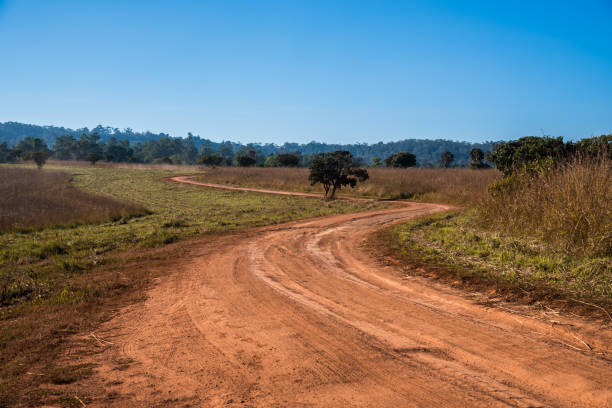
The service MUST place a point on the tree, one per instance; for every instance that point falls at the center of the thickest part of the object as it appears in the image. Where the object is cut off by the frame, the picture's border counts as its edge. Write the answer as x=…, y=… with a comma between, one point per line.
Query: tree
x=477, y=157
x=287, y=160
x=335, y=170
x=93, y=158
x=595, y=146
x=245, y=161
x=447, y=158
x=376, y=162
x=40, y=158
x=210, y=160
x=509, y=157
x=401, y=159
x=4, y=151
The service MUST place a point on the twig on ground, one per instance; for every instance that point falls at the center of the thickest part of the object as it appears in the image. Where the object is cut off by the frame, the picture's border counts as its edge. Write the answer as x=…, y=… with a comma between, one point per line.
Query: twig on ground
x=590, y=304
x=82, y=403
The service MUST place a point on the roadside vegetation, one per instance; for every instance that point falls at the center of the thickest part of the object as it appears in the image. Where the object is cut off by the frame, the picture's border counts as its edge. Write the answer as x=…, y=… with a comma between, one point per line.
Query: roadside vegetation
x=455, y=186
x=544, y=229
x=60, y=280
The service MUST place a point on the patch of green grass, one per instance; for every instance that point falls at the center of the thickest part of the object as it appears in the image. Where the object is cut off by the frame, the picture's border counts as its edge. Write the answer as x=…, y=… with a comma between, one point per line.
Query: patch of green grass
x=456, y=240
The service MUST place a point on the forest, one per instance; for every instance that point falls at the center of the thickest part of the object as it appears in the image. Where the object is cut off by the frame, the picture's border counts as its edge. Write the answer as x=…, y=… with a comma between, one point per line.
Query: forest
x=115, y=145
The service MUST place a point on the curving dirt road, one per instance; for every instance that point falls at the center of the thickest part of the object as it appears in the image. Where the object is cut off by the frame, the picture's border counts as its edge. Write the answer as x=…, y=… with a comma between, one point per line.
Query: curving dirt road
x=301, y=315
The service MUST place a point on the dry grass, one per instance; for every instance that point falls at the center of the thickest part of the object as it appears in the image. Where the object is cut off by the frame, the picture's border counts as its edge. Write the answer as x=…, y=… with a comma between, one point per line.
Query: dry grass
x=459, y=186
x=568, y=208
x=31, y=199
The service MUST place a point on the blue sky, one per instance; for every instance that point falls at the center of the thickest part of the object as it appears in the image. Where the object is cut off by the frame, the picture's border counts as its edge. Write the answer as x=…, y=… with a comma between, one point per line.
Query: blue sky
x=331, y=71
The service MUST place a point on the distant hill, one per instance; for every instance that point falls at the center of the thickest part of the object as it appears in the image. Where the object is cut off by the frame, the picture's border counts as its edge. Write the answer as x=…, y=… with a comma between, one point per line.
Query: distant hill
x=427, y=151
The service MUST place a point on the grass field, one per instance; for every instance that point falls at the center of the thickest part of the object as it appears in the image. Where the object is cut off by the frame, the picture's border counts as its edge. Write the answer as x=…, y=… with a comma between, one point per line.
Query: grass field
x=33, y=199
x=57, y=281
x=455, y=186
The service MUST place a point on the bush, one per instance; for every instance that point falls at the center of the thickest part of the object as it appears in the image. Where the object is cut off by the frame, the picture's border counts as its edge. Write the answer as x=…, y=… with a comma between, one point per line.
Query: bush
x=510, y=157
x=245, y=161
x=401, y=159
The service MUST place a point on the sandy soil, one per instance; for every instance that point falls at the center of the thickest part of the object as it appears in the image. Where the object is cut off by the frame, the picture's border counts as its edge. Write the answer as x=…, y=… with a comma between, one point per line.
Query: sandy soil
x=302, y=314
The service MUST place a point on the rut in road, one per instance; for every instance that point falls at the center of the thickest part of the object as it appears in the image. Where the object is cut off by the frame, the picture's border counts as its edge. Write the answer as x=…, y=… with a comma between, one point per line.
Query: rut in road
x=300, y=315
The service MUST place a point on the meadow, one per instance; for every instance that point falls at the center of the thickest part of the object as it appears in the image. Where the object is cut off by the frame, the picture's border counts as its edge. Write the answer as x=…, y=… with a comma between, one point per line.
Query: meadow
x=59, y=280
x=456, y=186
x=32, y=199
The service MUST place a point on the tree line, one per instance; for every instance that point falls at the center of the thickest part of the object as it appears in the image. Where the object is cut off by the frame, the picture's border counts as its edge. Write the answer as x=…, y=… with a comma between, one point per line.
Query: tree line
x=151, y=147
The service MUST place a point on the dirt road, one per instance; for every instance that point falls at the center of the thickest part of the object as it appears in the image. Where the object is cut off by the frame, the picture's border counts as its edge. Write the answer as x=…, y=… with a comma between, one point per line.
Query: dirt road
x=302, y=315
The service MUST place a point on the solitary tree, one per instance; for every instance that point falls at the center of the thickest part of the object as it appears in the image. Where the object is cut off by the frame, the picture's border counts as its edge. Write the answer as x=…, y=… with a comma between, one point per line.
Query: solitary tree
x=477, y=157
x=447, y=158
x=401, y=159
x=40, y=158
x=93, y=158
x=376, y=162
x=335, y=170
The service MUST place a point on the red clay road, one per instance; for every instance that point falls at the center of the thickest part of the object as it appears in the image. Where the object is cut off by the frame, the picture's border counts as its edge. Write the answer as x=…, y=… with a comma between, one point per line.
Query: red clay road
x=302, y=315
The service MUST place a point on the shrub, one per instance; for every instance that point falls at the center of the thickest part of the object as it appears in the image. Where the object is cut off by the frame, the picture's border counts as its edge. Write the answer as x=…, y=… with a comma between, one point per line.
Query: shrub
x=510, y=157
x=401, y=159
x=245, y=161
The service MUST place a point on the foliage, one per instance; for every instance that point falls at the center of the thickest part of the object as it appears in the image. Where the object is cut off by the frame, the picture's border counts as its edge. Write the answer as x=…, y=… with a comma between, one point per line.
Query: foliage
x=335, y=170
x=146, y=147
x=595, y=146
x=477, y=156
x=401, y=159
x=447, y=158
x=510, y=157
x=93, y=158
x=376, y=162
x=211, y=160
x=245, y=161
x=40, y=158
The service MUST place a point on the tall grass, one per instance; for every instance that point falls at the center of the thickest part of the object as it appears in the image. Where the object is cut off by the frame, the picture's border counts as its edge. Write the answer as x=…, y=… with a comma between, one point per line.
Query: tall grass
x=569, y=208
x=459, y=186
x=31, y=199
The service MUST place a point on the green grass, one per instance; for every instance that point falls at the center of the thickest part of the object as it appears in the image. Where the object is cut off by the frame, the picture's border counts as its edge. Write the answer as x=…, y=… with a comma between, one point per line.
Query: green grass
x=456, y=240
x=33, y=264
x=60, y=281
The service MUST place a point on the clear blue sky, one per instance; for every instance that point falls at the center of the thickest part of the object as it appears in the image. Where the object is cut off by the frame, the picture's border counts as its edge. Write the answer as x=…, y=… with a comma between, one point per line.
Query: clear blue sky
x=331, y=71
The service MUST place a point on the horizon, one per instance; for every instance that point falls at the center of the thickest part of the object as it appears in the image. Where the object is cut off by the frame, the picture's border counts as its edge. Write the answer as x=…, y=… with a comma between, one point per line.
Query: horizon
x=334, y=72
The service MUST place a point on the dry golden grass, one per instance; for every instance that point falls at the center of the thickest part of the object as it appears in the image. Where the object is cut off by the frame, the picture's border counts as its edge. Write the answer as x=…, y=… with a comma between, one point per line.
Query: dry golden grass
x=31, y=199
x=459, y=186
x=569, y=208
